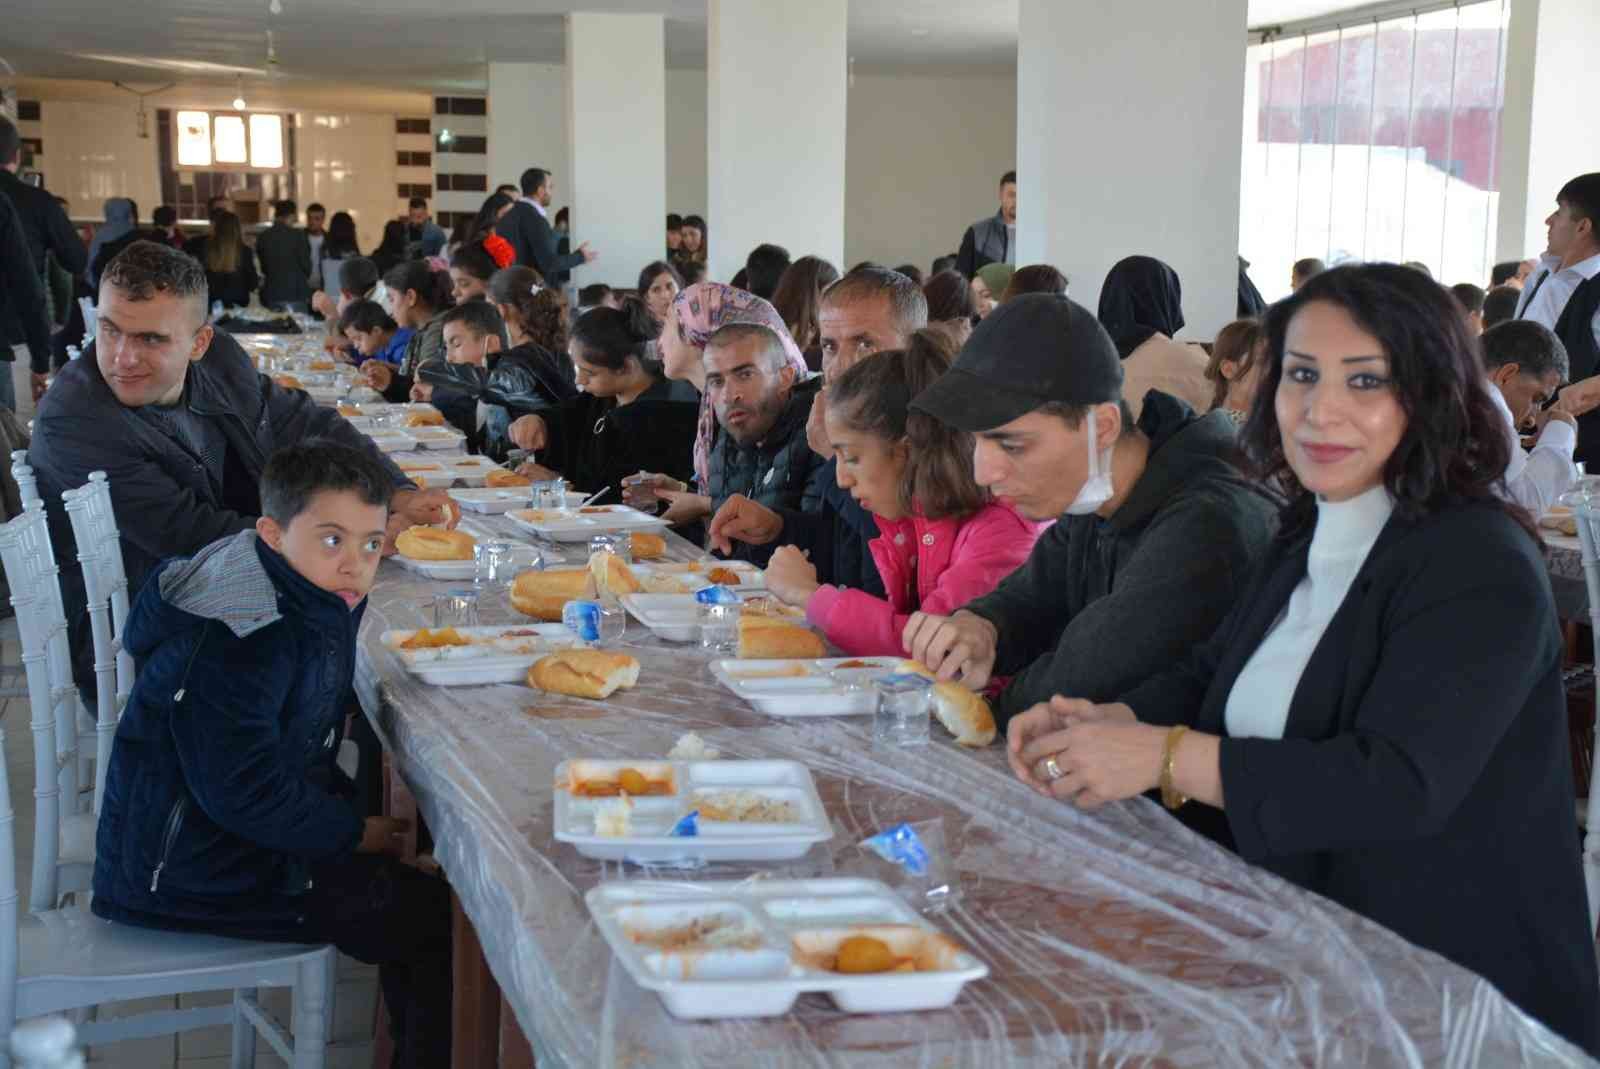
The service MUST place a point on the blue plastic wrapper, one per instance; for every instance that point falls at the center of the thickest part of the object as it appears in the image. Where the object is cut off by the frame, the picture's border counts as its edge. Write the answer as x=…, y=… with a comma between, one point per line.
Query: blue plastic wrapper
x=688, y=825
x=900, y=845
x=716, y=595
x=582, y=618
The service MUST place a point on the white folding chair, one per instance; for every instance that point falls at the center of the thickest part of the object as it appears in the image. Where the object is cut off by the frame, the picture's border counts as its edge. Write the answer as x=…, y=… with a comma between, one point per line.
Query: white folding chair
x=63, y=844
x=105, y=584
x=60, y=960
x=1587, y=513
x=27, y=485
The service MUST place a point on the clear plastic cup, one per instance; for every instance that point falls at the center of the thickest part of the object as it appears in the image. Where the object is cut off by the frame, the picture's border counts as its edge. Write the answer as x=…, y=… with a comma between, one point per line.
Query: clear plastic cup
x=620, y=544
x=492, y=562
x=601, y=621
x=455, y=608
x=905, y=706
x=719, y=627
x=550, y=496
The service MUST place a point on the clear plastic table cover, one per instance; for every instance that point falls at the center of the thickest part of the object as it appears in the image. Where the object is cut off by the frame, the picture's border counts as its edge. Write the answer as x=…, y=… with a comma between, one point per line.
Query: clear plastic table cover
x=1114, y=938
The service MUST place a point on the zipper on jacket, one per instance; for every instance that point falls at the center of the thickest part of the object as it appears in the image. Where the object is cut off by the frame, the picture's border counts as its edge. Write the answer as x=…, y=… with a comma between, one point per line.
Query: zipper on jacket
x=183, y=684
x=168, y=838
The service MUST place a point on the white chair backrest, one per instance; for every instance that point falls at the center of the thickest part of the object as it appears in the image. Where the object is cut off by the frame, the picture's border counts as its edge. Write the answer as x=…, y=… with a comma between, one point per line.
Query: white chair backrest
x=22, y=472
x=87, y=306
x=1587, y=514
x=42, y=626
x=105, y=586
x=9, y=913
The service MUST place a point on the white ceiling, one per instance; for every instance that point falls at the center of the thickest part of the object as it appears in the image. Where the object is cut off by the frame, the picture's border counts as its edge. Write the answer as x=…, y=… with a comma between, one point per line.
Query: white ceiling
x=430, y=45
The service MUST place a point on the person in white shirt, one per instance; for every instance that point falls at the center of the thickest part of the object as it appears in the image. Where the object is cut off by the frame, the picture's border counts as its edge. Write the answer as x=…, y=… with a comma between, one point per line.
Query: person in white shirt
x=1527, y=364
x=1572, y=256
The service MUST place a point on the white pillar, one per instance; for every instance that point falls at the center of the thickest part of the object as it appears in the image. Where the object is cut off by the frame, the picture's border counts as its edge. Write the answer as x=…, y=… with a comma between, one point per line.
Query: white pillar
x=1547, y=129
x=527, y=122
x=616, y=92
x=1128, y=127
x=775, y=133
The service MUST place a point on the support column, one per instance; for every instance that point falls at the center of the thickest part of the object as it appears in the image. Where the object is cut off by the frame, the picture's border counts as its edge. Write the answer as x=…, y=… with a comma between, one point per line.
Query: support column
x=527, y=123
x=1547, y=117
x=616, y=99
x=775, y=136
x=1128, y=127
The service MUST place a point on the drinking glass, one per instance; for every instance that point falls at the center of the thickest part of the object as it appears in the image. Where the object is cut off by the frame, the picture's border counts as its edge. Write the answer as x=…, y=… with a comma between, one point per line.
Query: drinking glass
x=620, y=544
x=905, y=705
x=455, y=608
x=492, y=562
x=719, y=627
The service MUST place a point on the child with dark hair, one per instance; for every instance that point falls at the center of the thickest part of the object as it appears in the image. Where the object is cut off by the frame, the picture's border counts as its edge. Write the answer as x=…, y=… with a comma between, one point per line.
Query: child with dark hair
x=483, y=384
x=417, y=296
x=224, y=810
x=942, y=539
x=372, y=333
x=629, y=417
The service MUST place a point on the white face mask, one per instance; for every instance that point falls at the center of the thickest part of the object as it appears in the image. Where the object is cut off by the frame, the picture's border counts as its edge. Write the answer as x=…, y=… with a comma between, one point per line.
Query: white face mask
x=1096, y=489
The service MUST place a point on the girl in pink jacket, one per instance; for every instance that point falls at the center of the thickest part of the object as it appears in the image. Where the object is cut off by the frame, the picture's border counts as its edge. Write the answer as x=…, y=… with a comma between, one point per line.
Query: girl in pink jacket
x=942, y=542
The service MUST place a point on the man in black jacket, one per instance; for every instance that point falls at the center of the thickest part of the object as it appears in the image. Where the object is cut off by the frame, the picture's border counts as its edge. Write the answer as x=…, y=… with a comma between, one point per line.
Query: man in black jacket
x=870, y=310
x=992, y=240
x=46, y=228
x=181, y=423
x=1157, y=530
x=285, y=254
x=527, y=227
x=21, y=295
x=761, y=454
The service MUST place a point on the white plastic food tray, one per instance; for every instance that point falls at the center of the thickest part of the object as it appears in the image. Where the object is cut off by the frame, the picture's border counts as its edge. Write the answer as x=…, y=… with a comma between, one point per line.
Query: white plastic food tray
x=802, y=687
x=462, y=570
x=776, y=936
x=577, y=526
x=434, y=438
x=391, y=441
x=652, y=817
x=498, y=654
x=492, y=500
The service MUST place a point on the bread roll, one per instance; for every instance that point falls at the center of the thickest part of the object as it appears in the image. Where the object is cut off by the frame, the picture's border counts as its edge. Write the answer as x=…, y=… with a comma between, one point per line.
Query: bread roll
x=289, y=382
x=963, y=713
x=647, y=546
x=432, y=543
x=348, y=411
x=502, y=477
x=542, y=595
x=425, y=419
x=612, y=576
x=763, y=637
x=584, y=673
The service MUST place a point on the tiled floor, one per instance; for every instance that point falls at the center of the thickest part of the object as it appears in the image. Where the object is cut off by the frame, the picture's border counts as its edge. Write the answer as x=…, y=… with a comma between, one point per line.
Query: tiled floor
x=205, y=1048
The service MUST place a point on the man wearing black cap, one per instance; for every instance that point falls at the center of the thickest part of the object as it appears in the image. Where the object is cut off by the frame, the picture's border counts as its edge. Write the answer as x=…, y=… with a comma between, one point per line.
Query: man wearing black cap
x=1157, y=529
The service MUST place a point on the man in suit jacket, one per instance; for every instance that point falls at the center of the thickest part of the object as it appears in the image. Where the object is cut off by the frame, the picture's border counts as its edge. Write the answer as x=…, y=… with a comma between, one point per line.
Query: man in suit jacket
x=527, y=227
x=285, y=254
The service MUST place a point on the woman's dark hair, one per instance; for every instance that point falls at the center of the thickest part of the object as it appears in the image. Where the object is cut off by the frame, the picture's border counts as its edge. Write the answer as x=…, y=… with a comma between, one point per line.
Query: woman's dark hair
x=392, y=249
x=1035, y=278
x=692, y=272
x=799, y=296
x=358, y=275
x=913, y=272
x=365, y=316
x=225, y=247
x=875, y=397
x=611, y=336
x=1454, y=447
x=488, y=214
x=341, y=239
x=1238, y=342
x=949, y=297
x=530, y=312
x=654, y=270
x=475, y=260
x=434, y=289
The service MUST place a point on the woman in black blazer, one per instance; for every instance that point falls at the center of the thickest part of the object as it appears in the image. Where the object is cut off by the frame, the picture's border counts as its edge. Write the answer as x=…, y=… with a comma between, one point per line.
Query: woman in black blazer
x=1387, y=727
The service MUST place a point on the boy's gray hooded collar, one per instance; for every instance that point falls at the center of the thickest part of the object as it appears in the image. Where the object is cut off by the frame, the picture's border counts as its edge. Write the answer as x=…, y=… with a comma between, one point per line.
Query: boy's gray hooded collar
x=227, y=582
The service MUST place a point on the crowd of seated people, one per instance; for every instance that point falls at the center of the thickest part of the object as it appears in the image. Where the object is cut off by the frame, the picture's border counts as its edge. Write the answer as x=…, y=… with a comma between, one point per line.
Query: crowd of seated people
x=1288, y=581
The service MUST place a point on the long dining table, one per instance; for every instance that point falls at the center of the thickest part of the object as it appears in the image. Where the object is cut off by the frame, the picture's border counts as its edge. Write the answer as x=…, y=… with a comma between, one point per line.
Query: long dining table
x=1115, y=937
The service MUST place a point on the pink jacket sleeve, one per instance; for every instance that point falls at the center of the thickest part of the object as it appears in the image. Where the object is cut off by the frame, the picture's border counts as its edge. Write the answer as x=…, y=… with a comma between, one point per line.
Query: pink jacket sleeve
x=989, y=547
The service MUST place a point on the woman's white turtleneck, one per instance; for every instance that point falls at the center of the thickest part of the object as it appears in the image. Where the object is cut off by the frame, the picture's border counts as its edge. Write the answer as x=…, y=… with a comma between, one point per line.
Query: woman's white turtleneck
x=1258, y=705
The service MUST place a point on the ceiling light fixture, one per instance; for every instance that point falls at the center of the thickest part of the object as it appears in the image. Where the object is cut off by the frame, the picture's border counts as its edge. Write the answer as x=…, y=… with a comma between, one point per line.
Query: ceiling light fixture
x=238, y=98
x=276, y=7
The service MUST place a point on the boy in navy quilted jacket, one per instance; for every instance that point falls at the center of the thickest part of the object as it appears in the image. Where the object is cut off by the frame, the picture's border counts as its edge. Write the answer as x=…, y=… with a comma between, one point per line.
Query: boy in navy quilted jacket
x=224, y=811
